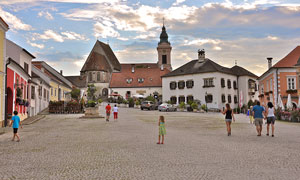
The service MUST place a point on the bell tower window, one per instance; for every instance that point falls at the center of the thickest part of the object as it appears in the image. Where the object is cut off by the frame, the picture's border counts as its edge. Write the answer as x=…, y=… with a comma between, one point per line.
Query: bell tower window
x=164, y=59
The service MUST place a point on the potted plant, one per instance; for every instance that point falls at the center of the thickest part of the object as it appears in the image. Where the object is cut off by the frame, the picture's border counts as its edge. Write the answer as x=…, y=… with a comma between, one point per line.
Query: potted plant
x=131, y=102
x=182, y=106
x=203, y=107
x=138, y=104
x=100, y=101
x=194, y=106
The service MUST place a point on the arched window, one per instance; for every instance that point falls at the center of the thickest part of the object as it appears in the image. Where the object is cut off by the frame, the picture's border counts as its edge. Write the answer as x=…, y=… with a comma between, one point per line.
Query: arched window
x=229, y=84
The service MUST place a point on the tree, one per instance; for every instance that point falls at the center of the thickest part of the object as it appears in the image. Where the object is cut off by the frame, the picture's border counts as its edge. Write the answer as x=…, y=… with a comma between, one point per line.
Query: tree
x=91, y=92
x=75, y=94
x=150, y=98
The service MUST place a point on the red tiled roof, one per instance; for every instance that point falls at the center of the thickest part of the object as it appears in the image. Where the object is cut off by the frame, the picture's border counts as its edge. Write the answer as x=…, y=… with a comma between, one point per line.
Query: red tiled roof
x=289, y=60
x=151, y=74
x=96, y=62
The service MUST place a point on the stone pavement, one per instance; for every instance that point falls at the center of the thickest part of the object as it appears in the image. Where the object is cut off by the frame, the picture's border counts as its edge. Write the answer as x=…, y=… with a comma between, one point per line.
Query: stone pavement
x=196, y=147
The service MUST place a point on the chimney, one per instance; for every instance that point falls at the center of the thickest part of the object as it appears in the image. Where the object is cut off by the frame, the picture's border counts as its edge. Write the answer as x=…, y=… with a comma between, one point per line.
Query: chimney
x=269, y=62
x=162, y=67
x=61, y=72
x=201, y=55
x=132, y=69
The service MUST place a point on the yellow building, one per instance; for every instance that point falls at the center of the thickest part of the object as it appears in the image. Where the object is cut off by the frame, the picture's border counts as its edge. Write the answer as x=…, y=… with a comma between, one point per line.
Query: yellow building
x=60, y=87
x=3, y=28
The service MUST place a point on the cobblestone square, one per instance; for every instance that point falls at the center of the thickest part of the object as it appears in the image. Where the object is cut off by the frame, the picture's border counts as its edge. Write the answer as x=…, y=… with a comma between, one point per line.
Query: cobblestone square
x=196, y=147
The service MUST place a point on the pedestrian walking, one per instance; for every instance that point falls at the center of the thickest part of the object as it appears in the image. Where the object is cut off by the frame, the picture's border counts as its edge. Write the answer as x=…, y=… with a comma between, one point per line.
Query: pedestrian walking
x=108, y=109
x=16, y=123
x=115, y=109
x=258, y=111
x=270, y=118
x=228, y=118
x=162, y=129
x=251, y=115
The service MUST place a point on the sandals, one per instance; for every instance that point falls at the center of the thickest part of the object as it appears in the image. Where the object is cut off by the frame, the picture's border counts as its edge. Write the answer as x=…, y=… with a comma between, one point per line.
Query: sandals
x=158, y=143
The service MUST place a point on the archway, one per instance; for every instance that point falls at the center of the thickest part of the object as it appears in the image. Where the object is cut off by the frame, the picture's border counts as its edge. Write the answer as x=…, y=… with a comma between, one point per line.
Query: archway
x=105, y=92
x=9, y=101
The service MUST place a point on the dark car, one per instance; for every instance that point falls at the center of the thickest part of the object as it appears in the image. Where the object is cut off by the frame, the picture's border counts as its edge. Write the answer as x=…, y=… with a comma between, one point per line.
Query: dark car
x=148, y=105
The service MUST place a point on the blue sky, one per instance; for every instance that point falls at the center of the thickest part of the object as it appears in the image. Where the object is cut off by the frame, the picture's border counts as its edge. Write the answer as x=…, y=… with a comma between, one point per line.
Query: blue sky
x=63, y=32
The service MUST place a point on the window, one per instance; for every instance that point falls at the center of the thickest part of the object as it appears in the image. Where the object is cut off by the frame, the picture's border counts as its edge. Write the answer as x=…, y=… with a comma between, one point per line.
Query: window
x=189, y=84
x=32, y=92
x=40, y=91
x=129, y=80
x=229, y=98
x=90, y=76
x=181, y=85
x=181, y=99
x=209, y=98
x=235, y=99
x=229, y=84
x=173, y=85
x=234, y=85
x=98, y=76
x=189, y=99
x=291, y=83
x=271, y=88
x=45, y=94
x=140, y=80
x=223, y=98
x=26, y=67
x=51, y=91
x=164, y=59
x=55, y=92
x=173, y=100
x=208, y=82
x=267, y=86
x=262, y=88
x=222, y=82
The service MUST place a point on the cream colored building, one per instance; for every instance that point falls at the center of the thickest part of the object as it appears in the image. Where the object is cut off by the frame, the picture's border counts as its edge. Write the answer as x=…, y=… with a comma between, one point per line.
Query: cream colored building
x=3, y=28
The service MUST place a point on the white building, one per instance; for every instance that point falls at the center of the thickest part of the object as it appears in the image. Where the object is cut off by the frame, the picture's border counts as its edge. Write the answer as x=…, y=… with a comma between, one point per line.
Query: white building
x=40, y=89
x=204, y=80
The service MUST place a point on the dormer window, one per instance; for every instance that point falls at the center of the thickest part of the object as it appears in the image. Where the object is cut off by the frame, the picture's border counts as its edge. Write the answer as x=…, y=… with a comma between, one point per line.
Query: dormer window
x=140, y=80
x=129, y=80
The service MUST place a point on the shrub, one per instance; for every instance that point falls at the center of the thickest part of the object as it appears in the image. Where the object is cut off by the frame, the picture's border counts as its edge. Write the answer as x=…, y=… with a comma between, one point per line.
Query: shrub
x=75, y=93
x=182, y=105
x=203, y=106
x=91, y=91
x=100, y=101
x=131, y=102
x=194, y=105
x=150, y=98
x=278, y=113
x=169, y=102
x=137, y=102
x=190, y=103
x=91, y=103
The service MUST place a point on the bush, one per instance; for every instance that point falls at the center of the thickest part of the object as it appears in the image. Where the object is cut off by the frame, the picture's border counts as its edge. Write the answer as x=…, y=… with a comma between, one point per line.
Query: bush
x=190, y=103
x=295, y=115
x=150, y=98
x=125, y=101
x=194, y=105
x=91, y=103
x=203, y=106
x=75, y=93
x=100, y=101
x=131, y=102
x=169, y=102
x=137, y=102
x=182, y=105
x=278, y=113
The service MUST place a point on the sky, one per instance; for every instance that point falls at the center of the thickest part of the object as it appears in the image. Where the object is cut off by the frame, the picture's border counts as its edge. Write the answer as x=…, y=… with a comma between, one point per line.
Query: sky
x=63, y=32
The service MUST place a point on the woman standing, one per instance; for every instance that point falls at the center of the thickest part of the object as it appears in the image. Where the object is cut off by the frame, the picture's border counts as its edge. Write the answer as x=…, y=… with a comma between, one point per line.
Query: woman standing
x=270, y=118
x=228, y=118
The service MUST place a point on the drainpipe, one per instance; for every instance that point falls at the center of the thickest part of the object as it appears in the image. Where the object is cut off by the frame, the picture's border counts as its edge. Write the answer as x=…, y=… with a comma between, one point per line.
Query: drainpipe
x=5, y=115
x=277, y=84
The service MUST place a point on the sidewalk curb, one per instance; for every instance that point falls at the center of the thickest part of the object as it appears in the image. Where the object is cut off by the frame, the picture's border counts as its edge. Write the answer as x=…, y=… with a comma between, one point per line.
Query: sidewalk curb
x=29, y=123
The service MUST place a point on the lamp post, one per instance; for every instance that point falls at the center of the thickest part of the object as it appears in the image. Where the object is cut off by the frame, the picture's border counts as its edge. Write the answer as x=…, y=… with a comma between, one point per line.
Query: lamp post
x=206, y=101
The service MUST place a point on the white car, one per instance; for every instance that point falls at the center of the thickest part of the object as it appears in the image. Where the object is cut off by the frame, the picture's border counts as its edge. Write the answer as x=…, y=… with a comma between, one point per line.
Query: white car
x=166, y=107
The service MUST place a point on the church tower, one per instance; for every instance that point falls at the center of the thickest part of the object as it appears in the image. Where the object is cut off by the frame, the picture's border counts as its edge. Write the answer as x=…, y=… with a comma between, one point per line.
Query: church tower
x=164, y=50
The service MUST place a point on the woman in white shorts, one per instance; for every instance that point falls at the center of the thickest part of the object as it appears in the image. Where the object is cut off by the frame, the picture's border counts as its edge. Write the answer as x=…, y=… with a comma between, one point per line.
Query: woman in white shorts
x=270, y=118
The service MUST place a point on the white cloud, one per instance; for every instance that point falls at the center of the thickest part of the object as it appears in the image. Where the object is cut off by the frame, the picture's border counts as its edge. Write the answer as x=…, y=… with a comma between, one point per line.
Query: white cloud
x=104, y=31
x=217, y=48
x=8, y=2
x=272, y=38
x=200, y=42
x=45, y=14
x=178, y=2
x=58, y=37
x=40, y=46
x=14, y=22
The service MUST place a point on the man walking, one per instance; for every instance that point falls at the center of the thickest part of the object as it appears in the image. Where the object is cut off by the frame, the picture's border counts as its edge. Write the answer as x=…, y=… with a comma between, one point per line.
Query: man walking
x=108, y=109
x=258, y=117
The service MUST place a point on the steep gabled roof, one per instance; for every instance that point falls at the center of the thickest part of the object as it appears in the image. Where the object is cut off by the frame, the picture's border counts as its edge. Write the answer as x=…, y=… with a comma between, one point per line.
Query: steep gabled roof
x=4, y=24
x=240, y=71
x=103, y=57
x=289, y=60
x=194, y=67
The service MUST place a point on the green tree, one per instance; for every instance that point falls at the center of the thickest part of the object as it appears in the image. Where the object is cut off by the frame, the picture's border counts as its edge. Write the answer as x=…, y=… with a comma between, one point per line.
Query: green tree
x=75, y=94
x=150, y=98
x=91, y=92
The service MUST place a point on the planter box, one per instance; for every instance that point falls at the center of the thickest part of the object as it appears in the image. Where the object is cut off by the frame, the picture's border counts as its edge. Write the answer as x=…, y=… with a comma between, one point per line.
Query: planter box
x=91, y=112
x=195, y=110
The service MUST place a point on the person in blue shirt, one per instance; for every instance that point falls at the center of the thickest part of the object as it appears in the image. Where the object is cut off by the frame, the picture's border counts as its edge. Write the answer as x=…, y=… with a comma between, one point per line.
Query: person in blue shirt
x=258, y=112
x=16, y=122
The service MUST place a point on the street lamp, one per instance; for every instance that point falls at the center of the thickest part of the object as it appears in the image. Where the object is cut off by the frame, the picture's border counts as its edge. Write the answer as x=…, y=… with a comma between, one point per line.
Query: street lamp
x=206, y=101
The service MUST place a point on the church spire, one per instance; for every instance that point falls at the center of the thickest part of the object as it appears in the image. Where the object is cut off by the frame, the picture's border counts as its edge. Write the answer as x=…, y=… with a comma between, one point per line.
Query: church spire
x=163, y=35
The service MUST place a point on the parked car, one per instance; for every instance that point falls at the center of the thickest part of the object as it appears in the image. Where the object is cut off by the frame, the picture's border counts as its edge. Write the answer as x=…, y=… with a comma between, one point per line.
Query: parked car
x=148, y=105
x=167, y=107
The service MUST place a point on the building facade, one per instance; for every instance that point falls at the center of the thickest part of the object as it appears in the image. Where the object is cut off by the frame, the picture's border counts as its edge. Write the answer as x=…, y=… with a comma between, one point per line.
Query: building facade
x=3, y=28
x=18, y=79
x=281, y=80
x=60, y=86
x=206, y=81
